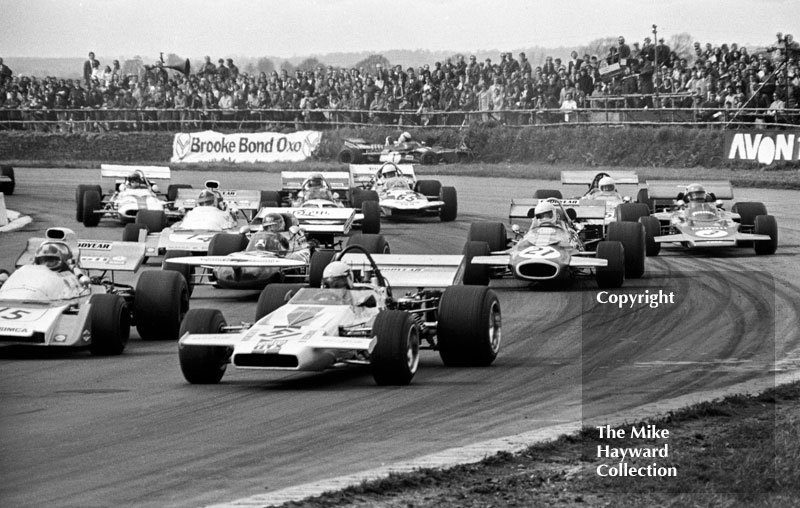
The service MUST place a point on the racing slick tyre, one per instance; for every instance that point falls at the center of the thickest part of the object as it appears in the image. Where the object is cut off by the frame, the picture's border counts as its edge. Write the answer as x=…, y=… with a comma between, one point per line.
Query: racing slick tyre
x=203, y=365
x=395, y=357
x=186, y=271
x=613, y=275
x=630, y=212
x=633, y=238
x=7, y=188
x=222, y=244
x=350, y=156
x=274, y=296
x=748, y=211
x=319, y=260
x=493, y=233
x=643, y=197
x=547, y=193
x=361, y=195
x=111, y=324
x=172, y=190
x=270, y=199
x=766, y=225
x=91, y=204
x=131, y=232
x=652, y=229
x=154, y=220
x=429, y=158
x=428, y=187
x=374, y=244
x=79, y=192
x=372, y=217
x=449, y=210
x=469, y=328
x=162, y=299
x=475, y=275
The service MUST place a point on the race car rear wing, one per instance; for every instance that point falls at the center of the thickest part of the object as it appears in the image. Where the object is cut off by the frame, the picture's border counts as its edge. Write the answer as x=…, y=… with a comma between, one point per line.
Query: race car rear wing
x=669, y=189
x=94, y=254
x=240, y=199
x=412, y=270
x=120, y=171
x=337, y=221
x=587, y=177
x=362, y=174
x=293, y=180
x=584, y=208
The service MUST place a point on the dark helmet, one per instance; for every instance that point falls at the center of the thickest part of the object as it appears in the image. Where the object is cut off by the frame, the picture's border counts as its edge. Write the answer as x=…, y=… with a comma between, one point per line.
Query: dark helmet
x=136, y=180
x=273, y=222
x=696, y=192
x=207, y=198
x=52, y=255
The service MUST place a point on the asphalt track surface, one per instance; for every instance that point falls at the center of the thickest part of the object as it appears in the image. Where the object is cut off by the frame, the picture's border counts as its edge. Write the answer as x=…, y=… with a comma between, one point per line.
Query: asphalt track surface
x=81, y=431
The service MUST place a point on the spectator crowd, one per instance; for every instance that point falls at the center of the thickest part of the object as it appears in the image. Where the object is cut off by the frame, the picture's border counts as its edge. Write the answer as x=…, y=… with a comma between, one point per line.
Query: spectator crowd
x=458, y=91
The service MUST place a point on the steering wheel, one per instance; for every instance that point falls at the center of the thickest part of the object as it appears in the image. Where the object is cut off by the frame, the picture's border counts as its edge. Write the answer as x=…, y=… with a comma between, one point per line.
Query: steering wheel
x=381, y=281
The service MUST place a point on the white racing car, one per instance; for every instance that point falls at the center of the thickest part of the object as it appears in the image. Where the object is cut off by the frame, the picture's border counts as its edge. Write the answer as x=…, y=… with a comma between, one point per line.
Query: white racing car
x=60, y=296
x=134, y=191
x=305, y=328
x=399, y=194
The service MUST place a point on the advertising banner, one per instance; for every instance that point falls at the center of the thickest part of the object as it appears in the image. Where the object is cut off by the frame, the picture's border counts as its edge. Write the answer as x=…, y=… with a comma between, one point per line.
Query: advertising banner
x=210, y=146
x=765, y=147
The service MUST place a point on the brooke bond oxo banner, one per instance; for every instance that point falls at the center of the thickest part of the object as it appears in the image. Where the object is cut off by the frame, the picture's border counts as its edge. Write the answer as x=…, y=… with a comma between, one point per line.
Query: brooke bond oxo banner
x=210, y=146
x=763, y=146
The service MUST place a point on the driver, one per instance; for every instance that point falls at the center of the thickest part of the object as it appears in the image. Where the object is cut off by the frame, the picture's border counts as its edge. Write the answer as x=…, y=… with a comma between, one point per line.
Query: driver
x=389, y=177
x=696, y=193
x=273, y=222
x=57, y=257
x=544, y=215
x=208, y=197
x=337, y=275
x=315, y=187
x=135, y=180
x=404, y=138
x=606, y=189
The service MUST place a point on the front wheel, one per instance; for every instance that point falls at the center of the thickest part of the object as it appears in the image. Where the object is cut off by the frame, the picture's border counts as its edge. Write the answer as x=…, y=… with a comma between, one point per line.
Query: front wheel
x=161, y=301
x=766, y=225
x=110, y=324
x=91, y=205
x=652, y=229
x=395, y=358
x=469, y=328
x=449, y=210
x=612, y=275
x=203, y=364
x=372, y=217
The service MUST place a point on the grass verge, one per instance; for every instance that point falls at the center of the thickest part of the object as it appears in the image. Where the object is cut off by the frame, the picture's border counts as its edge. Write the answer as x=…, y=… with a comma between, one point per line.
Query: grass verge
x=740, y=451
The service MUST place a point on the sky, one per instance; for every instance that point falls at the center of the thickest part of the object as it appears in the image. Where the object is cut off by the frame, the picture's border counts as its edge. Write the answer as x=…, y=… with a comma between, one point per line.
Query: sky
x=294, y=28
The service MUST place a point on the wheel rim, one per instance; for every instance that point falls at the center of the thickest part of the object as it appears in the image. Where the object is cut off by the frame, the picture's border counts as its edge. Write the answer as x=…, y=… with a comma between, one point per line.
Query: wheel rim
x=412, y=351
x=495, y=326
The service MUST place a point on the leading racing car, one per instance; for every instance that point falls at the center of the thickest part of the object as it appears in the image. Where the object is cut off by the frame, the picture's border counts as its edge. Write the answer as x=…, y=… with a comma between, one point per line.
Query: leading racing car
x=357, y=317
x=60, y=295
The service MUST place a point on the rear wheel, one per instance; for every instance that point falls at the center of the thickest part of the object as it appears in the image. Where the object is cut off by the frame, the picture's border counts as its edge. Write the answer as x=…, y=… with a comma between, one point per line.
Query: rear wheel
x=203, y=364
x=361, y=195
x=222, y=244
x=643, y=197
x=275, y=296
x=429, y=158
x=131, y=232
x=493, y=233
x=428, y=187
x=350, y=156
x=186, y=271
x=374, y=244
x=652, y=229
x=630, y=212
x=7, y=188
x=547, y=193
x=766, y=225
x=372, y=217
x=449, y=210
x=91, y=205
x=172, y=190
x=469, y=328
x=162, y=299
x=319, y=260
x=748, y=211
x=475, y=275
x=110, y=324
x=79, y=192
x=154, y=220
x=270, y=199
x=632, y=237
x=613, y=275
x=395, y=358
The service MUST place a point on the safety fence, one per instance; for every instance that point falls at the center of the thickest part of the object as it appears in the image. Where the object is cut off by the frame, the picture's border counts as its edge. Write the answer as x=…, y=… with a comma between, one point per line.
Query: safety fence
x=152, y=119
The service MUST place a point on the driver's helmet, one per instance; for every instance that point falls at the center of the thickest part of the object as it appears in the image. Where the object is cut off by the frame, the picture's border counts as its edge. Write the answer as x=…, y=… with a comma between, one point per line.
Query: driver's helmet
x=268, y=242
x=273, y=222
x=544, y=213
x=136, y=180
x=607, y=184
x=314, y=181
x=696, y=193
x=52, y=255
x=207, y=198
x=389, y=171
x=404, y=137
x=337, y=275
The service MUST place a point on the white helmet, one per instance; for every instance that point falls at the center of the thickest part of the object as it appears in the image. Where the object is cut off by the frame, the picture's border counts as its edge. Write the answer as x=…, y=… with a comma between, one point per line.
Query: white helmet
x=337, y=275
x=607, y=184
x=389, y=171
x=404, y=137
x=544, y=213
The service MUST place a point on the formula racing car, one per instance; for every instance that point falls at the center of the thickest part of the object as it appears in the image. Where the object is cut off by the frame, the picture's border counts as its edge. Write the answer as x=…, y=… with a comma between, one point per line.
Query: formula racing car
x=61, y=295
x=404, y=150
x=357, y=317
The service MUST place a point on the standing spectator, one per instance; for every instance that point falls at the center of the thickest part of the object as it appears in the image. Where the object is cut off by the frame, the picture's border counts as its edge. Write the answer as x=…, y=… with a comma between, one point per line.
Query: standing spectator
x=568, y=106
x=585, y=82
x=574, y=63
x=623, y=50
x=233, y=71
x=88, y=68
x=5, y=72
x=662, y=52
